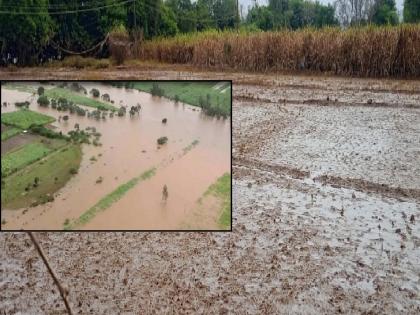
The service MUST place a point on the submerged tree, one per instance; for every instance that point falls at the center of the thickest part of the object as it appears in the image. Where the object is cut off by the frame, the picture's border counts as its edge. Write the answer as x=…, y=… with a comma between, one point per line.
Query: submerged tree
x=43, y=101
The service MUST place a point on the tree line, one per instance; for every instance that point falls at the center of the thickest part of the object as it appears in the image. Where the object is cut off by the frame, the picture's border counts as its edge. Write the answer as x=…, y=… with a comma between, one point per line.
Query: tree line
x=294, y=14
x=34, y=31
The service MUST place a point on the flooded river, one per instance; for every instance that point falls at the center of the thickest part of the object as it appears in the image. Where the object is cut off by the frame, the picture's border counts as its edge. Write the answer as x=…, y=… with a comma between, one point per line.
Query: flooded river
x=128, y=149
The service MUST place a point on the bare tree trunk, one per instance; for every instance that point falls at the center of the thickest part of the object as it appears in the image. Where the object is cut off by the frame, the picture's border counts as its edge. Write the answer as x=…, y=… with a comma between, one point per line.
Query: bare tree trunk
x=63, y=290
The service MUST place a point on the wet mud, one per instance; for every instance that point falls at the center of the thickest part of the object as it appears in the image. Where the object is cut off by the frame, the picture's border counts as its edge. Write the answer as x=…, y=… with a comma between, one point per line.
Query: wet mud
x=298, y=245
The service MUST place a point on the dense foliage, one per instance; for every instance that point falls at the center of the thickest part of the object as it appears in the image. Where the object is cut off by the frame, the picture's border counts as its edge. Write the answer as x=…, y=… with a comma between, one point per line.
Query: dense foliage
x=412, y=11
x=291, y=14
x=35, y=31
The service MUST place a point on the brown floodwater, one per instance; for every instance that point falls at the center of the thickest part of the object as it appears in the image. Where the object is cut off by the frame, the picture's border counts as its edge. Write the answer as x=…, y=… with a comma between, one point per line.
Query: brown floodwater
x=128, y=149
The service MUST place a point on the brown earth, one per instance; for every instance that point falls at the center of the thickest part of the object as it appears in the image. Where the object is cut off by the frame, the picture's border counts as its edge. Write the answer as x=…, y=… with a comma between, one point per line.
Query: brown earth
x=298, y=245
x=16, y=142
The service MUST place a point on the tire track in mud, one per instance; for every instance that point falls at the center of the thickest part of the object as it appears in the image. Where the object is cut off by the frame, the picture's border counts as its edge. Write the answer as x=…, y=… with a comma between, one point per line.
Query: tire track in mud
x=316, y=87
x=320, y=102
x=270, y=167
x=369, y=187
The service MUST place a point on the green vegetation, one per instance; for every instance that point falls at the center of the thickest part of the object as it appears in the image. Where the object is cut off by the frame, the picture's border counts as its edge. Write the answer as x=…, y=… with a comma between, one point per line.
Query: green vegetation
x=162, y=140
x=190, y=146
x=9, y=132
x=48, y=133
x=15, y=193
x=412, y=11
x=43, y=101
x=21, y=87
x=30, y=37
x=215, y=96
x=24, y=104
x=15, y=160
x=109, y=199
x=222, y=190
x=25, y=118
x=77, y=98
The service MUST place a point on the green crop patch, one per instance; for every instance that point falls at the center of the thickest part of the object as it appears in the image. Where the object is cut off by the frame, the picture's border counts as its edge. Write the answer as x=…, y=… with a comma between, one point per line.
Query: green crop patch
x=217, y=94
x=53, y=172
x=24, y=118
x=14, y=161
x=9, y=132
x=77, y=98
x=222, y=189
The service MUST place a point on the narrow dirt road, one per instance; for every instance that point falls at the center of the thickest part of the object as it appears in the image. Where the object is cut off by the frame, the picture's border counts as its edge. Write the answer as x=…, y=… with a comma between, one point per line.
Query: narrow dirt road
x=325, y=216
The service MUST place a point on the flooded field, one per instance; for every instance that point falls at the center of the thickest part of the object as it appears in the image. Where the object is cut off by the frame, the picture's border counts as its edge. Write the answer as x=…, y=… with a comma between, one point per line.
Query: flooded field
x=325, y=216
x=128, y=149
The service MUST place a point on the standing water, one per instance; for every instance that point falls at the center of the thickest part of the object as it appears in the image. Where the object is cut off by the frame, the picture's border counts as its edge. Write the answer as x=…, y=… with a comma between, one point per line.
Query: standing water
x=128, y=149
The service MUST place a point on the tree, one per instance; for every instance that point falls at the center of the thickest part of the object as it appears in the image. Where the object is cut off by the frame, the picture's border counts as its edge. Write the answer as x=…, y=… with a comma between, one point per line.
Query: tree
x=43, y=101
x=23, y=37
x=385, y=12
x=262, y=17
x=65, y=117
x=40, y=90
x=411, y=11
x=354, y=12
x=185, y=13
x=162, y=140
x=95, y=92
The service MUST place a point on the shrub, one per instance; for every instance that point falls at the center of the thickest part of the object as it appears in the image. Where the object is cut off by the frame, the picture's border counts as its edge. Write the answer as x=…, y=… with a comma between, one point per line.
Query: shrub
x=162, y=140
x=43, y=101
x=73, y=171
x=157, y=90
x=95, y=92
x=118, y=44
x=22, y=104
x=41, y=90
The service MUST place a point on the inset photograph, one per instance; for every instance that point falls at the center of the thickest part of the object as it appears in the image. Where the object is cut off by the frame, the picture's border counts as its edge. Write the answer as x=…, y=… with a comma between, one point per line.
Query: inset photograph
x=116, y=155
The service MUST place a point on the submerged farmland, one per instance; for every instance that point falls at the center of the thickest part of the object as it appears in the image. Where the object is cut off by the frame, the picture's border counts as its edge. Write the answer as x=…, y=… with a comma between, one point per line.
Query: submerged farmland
x=98, y=164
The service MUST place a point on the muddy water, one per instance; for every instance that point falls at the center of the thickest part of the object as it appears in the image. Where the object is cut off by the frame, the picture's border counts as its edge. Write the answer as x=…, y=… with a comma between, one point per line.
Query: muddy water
x=128, y=149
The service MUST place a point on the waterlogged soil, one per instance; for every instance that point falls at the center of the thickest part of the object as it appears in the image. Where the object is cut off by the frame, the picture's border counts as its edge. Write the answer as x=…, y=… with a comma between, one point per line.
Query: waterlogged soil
x=309, y=236
x=128, y=149
x=17, y=141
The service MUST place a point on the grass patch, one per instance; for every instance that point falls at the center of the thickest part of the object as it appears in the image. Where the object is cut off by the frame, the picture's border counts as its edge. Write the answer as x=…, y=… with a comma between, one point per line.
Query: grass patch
x=80, y=62
x=190, y=146
x=24, y=118
x=9, y=132
x=108, y=200
x=77, y=98
x=19, y=87
x=190, y=92
x=16, y=160
x=53, y=173
x=222, y=190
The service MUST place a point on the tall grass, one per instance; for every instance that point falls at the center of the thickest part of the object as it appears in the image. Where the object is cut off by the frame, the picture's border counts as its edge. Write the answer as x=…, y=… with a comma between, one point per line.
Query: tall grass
x=360, y=51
